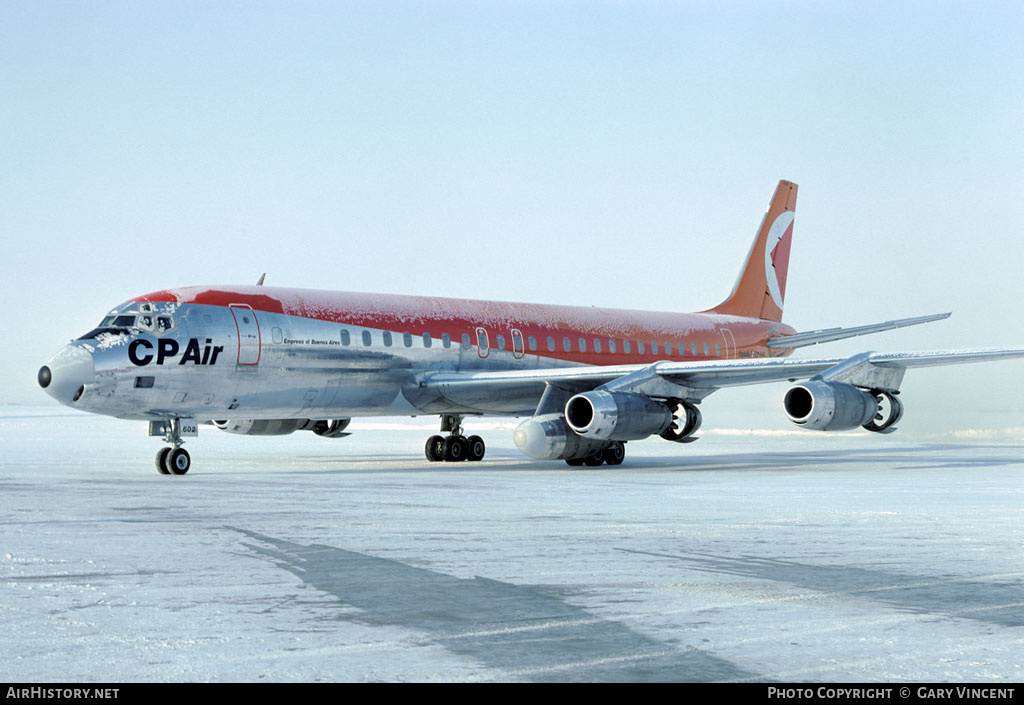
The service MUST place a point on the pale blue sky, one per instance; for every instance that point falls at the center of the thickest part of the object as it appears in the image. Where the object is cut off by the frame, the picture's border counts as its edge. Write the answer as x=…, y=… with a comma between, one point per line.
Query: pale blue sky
x=614, y=154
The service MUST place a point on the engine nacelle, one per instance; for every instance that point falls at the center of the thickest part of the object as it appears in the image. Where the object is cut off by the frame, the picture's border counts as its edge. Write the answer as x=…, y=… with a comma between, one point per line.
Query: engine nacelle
x=262, y=427
x=829, y=406
x=328, y=428
x=548, y=437
x=616, y=416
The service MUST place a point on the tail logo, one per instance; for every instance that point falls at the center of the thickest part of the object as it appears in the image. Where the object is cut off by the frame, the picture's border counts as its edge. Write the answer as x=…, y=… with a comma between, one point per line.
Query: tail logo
x=776, y=256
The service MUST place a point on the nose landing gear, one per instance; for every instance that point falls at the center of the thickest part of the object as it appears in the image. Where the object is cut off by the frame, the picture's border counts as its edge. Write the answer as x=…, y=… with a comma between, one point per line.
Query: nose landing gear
x=174, y=460
x=455, y=446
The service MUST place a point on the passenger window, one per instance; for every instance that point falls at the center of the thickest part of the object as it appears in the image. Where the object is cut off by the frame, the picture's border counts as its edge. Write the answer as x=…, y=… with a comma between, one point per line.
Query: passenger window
x=611, y=345
x=693, y=349
x=533, y=343
x=682, y=348
x=583, y=344
x=366, y=338
x=446, y=340
x=345, y=337
x=387, y=338
x=626, y=347
x=501, y=342
x=551, y=344
x=654, y=348
x=407, y=339
x=707, y=353
x=566, y=344
x=276, y=335
x=427, y=342
x=718, y=350
x=640, y=347
x=597, y=345
x=465, y=341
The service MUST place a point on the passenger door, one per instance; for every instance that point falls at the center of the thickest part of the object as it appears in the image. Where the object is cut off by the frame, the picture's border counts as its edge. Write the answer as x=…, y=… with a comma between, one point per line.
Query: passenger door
x=248, y=334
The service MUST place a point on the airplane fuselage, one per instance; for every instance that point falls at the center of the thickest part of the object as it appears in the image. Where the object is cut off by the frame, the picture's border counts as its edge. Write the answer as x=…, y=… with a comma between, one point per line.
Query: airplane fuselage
x=266, y=353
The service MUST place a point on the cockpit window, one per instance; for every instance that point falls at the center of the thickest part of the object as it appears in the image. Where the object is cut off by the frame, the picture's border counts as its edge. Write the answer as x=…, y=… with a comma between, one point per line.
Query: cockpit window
x=122, y=322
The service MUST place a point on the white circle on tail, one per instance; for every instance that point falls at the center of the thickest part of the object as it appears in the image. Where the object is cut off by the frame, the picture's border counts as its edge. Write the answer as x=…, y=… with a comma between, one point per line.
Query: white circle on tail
x=780, y=229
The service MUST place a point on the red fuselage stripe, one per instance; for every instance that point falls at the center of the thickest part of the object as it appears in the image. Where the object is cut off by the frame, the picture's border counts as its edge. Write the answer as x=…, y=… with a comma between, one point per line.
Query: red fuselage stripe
x=437, y=316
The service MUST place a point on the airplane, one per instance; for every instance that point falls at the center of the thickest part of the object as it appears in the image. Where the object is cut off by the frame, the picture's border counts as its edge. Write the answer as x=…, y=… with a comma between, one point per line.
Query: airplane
x=263, y=361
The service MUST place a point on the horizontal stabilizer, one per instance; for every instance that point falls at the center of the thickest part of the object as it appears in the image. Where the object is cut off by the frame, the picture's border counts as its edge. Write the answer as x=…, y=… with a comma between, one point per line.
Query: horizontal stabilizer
x=814, y=337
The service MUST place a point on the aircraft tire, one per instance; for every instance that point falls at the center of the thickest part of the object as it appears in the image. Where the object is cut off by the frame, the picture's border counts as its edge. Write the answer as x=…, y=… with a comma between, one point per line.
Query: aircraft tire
x=615, y=453
x=594, y=459
x=456, y=448
x=574, y=462
x=178, y=461
x=477, y=448
x=433, y=449
x=161, y=456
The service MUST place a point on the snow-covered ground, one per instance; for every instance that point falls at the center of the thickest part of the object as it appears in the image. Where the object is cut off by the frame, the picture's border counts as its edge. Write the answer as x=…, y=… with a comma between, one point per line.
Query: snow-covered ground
x=746, y=556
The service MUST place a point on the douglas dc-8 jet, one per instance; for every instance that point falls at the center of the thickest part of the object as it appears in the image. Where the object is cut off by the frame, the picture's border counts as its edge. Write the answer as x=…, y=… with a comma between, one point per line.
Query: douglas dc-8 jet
x=266, y=361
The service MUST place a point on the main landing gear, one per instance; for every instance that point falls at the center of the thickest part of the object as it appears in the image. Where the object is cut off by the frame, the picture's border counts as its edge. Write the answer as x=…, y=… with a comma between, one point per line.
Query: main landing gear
x=454, y=447
x=614, y=454
x=174, y=460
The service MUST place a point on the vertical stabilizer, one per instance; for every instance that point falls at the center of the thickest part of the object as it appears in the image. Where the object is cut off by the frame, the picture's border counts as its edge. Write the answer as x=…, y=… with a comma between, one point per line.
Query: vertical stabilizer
x=760, y=290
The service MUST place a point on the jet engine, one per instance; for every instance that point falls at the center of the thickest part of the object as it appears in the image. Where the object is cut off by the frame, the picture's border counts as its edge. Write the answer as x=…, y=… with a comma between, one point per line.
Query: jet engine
x=829, y=406
x=261, y=427
x=330, y=428
x=547, y=437
x=616, y=416
x=282, y=427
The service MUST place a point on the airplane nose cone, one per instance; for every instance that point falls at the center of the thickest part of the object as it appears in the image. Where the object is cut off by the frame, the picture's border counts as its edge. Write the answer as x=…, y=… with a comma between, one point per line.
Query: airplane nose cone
x=65, y=375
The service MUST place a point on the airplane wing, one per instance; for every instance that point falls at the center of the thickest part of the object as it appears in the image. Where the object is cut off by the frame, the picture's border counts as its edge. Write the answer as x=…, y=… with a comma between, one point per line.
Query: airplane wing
x=814, y=337
x=694, y=381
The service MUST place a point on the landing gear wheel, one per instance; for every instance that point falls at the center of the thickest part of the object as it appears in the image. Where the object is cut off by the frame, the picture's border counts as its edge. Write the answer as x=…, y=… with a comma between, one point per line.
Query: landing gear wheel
x=574, y=462
x=594, y=459
x=177, y=461
x=615, y=453
x=433, y=450
x=476, y=448
x=455, y=448
x=161, y=457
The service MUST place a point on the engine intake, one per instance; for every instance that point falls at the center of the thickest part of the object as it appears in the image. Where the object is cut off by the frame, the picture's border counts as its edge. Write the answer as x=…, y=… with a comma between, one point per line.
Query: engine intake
x=616, y=416
x=829, y=406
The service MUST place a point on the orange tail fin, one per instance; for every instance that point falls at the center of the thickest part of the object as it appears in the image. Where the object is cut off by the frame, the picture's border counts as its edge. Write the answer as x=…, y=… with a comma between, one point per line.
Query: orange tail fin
x=760, y=289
